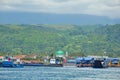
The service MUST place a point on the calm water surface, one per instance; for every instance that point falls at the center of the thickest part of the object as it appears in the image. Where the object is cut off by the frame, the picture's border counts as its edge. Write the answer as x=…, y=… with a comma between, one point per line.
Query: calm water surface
x=59, y=73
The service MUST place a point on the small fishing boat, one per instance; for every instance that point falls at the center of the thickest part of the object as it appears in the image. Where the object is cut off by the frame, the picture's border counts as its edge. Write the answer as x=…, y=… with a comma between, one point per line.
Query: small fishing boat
x=84, y=62
x=12, y=62
x=114, y=62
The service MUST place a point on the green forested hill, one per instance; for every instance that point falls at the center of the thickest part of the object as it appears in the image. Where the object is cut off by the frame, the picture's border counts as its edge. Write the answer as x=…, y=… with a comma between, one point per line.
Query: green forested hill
x=47, y=39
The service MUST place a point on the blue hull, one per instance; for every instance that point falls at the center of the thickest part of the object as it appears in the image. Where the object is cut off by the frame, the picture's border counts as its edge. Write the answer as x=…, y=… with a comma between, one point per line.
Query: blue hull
x=11, y=64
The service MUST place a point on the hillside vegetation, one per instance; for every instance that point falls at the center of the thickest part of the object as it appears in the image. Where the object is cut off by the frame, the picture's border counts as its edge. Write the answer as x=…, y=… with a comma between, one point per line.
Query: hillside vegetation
x=77, y=40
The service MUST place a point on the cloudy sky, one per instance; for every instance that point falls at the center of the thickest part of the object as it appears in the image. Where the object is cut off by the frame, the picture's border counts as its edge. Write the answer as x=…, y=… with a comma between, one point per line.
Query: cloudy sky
x=106, y=8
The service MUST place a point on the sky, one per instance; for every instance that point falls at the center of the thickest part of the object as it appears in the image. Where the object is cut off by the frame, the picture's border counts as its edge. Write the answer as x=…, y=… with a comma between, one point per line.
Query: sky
x=67, y=11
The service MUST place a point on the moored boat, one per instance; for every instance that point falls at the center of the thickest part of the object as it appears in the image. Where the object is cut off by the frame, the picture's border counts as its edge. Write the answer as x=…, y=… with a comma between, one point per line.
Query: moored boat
x=8, y=61
x=43, y=65
x=84, y=62
x=52, y=63
x=114, y=62
x=100, y=63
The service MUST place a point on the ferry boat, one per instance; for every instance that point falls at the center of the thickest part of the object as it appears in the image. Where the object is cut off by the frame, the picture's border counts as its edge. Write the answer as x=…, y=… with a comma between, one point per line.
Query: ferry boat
x=12, y=62
x=52, y=63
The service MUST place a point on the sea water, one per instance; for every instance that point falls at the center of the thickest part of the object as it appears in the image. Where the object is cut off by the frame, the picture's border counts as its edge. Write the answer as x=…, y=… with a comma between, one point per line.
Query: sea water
x=59, y=73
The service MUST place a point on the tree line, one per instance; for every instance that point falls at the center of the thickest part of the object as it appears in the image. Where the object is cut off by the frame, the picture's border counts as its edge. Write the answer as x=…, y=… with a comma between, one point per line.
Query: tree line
x=77, y=40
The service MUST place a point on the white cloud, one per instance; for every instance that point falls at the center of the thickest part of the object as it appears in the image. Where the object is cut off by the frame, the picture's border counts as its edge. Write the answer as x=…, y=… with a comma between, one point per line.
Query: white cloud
x=109, y=8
